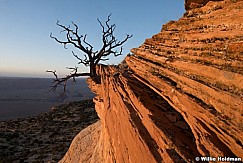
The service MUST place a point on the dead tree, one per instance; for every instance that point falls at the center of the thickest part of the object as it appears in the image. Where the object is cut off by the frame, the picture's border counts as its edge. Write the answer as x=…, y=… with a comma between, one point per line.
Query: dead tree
x=91, y=57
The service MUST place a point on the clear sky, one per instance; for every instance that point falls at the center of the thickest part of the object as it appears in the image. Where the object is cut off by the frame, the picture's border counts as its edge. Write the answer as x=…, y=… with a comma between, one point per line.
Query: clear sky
x=25, y=25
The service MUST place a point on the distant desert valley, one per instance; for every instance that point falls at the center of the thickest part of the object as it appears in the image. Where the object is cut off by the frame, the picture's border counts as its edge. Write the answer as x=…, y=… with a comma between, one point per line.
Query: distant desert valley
x=23, y=97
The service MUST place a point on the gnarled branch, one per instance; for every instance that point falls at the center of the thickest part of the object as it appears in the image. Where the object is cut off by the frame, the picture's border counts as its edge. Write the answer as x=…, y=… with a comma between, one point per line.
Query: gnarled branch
x=63, y=81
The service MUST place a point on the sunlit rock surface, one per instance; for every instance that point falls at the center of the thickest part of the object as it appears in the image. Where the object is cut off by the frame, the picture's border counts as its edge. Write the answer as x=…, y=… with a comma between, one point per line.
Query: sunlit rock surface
x=179, y=95
x=191, y=4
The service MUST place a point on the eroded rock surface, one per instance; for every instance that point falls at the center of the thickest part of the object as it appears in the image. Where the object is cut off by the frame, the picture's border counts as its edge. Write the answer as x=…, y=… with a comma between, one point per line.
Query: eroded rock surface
x=83, y=146
x=179, y=95
x=192, y=4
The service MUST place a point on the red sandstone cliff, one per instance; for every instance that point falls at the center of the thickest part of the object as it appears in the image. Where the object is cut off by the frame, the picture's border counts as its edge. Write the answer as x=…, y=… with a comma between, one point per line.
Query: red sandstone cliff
x=178, y=96
x=192, y=4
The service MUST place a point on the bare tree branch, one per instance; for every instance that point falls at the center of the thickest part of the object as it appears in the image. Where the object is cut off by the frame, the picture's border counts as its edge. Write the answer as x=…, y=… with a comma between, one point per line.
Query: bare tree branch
x=63, y=81
x=90, y=46
x=84, y=61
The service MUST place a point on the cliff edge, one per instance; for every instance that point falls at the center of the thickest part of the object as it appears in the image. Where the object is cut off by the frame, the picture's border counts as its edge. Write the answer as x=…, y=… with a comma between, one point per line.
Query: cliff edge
x=178, y=96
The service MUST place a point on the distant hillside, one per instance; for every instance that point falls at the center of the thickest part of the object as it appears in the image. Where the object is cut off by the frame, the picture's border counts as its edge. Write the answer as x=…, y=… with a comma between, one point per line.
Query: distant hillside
x=46, y=137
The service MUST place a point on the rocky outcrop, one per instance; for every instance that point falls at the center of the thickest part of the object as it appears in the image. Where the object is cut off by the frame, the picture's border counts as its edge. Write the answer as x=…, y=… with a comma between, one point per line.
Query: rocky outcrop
x=179, y=95
x=83, y=145
x=192, y=4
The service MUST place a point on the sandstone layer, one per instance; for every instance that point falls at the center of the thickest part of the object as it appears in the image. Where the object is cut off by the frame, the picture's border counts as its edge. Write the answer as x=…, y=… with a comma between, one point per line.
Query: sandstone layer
x=83, y=145
x=177, y=96
x=192, y=4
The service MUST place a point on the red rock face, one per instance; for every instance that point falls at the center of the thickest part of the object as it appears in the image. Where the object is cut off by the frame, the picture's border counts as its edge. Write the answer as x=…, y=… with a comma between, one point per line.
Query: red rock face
x=191, y=4
x=179, y=95
x=83, y=146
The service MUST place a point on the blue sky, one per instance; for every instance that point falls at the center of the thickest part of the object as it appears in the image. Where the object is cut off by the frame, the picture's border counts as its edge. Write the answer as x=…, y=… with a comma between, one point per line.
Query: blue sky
x=25, y=25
